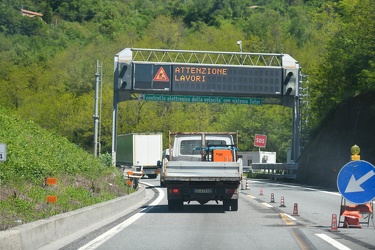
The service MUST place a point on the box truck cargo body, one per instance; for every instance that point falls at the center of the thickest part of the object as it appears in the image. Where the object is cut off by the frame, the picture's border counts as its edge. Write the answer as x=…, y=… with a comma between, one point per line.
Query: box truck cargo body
x=250, y=157
x=140, y=150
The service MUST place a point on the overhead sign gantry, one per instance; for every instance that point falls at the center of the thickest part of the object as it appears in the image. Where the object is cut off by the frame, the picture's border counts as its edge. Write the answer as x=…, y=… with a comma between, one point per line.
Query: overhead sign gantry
x=207, y=76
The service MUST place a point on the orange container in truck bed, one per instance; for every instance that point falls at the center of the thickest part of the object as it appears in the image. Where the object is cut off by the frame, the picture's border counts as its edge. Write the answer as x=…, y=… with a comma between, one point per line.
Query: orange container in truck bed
x=223, y=155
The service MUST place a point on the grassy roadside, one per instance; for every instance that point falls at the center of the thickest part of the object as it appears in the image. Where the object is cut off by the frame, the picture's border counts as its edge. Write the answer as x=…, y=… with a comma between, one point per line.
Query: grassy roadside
x=34, y=154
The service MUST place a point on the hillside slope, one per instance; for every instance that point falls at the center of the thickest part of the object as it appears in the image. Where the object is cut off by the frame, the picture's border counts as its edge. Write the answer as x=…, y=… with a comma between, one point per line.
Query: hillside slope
x=34, y=154
x=353, y=123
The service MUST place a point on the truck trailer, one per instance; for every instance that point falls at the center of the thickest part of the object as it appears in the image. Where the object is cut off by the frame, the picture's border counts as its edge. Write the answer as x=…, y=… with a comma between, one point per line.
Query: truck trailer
x=141, y=151
x=250, y=157
x=202, y=166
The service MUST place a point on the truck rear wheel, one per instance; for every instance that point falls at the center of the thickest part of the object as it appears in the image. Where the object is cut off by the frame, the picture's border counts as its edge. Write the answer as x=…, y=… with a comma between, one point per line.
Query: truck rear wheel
x=179, y=205
x=135, y=183
x=175, y=205
x=171, y=205
x=162, y=183
x=234, y=205
x=226, y=205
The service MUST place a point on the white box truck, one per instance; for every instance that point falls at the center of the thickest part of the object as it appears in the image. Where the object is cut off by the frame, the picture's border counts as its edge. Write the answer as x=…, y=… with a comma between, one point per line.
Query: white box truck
x=250, y=157
x=140, y=151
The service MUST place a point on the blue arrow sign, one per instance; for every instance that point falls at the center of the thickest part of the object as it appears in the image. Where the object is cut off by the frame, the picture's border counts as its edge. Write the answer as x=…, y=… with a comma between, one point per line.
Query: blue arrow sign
x=356, y=182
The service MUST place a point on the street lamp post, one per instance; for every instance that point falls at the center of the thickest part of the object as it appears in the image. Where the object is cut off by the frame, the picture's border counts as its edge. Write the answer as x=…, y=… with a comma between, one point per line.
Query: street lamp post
x=240, y=44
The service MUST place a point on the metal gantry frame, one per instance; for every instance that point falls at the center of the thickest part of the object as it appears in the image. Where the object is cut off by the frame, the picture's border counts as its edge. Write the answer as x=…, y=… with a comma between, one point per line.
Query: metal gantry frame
x=243, y=59
x=207, y=57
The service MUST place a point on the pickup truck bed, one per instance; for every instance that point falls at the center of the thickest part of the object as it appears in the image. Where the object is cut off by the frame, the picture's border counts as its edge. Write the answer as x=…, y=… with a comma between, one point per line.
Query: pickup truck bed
x=202, y=182
x=202, y=171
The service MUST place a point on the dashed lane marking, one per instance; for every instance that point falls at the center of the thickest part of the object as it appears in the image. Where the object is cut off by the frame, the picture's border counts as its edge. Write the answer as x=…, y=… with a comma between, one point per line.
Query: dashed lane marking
x=289, y=220
x=333, y=242
x=266, y=204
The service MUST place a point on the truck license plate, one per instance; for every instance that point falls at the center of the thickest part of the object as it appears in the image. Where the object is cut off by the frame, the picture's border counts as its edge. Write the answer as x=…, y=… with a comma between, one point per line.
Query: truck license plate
x=203, y=191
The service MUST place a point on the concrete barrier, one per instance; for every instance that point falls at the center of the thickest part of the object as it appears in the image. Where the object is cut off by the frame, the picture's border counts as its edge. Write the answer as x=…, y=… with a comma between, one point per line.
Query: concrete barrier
x=37, y=234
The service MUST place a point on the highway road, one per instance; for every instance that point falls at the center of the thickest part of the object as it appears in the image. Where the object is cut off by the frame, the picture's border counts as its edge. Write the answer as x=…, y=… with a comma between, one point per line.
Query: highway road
x=304, y=222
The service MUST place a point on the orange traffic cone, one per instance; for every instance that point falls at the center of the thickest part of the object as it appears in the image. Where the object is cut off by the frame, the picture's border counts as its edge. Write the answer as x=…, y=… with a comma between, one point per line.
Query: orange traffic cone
x=282, y=202
x=295, y=210
x=272, y=198
x=334, y=222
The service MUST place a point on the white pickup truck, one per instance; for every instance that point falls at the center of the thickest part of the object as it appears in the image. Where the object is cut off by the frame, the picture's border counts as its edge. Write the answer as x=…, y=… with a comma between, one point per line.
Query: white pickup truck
x=203, y=166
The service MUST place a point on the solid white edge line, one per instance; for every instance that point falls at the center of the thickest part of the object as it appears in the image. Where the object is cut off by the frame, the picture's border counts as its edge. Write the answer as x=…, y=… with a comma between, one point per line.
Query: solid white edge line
x=306, y=188
x=110, y=233
x=333, y=242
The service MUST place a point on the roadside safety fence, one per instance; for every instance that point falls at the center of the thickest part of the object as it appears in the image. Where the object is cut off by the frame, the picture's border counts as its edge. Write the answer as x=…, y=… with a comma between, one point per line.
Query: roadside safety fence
x=272, y=170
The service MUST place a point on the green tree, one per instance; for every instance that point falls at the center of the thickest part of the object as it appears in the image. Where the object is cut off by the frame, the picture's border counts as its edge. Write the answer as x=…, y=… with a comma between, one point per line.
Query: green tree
x=165, y=32
x=273, y=121
x=347, y=69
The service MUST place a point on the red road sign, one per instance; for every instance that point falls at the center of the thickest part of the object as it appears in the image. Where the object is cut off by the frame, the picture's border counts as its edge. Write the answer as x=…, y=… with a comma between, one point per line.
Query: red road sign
x=260, y=141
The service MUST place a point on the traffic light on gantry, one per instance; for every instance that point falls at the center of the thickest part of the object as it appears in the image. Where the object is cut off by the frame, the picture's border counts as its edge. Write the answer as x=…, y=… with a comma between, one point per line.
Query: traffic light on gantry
x=290, y=84
x=124, y=76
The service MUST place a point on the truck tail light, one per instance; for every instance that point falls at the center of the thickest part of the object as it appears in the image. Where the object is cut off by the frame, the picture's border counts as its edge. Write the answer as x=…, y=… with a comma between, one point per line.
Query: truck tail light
x=174, y=191
x=230, y=191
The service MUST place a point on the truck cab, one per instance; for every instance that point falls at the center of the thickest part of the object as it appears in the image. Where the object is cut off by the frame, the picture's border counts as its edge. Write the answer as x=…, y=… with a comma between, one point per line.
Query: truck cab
x=198, y=147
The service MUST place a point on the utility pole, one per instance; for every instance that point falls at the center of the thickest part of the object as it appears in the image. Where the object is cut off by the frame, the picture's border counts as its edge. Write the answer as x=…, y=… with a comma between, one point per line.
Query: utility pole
x=96, y=116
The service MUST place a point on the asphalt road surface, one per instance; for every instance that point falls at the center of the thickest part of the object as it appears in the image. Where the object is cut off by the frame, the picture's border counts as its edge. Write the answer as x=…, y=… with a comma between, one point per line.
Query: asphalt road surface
x=270, y=216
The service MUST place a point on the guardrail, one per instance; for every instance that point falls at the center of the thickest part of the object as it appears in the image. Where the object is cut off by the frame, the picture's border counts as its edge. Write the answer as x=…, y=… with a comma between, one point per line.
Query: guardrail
x=273, y=170
x=52, y=232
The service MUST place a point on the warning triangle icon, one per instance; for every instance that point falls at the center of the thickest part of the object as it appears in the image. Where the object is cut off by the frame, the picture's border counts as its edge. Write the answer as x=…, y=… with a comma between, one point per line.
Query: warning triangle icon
x=161, y=76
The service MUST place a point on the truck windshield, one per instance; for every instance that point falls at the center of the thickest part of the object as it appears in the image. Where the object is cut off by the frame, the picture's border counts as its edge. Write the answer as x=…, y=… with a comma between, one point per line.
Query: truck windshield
x=192, y=147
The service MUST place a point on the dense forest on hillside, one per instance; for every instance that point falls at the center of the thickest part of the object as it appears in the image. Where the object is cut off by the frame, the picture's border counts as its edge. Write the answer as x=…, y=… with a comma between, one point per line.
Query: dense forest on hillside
x=47, y=65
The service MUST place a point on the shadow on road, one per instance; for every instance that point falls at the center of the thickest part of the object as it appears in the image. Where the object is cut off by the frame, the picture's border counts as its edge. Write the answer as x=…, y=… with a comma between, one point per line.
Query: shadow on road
x=188, y=208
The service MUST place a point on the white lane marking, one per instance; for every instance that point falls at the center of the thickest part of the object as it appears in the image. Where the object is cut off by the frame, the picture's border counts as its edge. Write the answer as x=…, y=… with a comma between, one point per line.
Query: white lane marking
x=95, y=243
x=306, y=188
x=333, y=242
x=302, y=187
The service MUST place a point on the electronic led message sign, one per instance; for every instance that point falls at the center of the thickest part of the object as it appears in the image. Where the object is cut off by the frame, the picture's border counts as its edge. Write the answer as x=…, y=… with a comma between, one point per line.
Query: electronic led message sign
x=208, y=79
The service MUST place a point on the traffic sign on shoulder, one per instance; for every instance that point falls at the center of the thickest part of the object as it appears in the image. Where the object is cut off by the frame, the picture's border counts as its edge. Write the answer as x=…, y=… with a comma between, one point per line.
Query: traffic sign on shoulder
x=260, y=141
x=3, y=152
x=356, y=182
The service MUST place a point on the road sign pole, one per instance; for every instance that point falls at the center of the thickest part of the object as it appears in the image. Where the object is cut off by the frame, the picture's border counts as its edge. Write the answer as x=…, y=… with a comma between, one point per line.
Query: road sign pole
x=114, y=111
x=96, y=110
